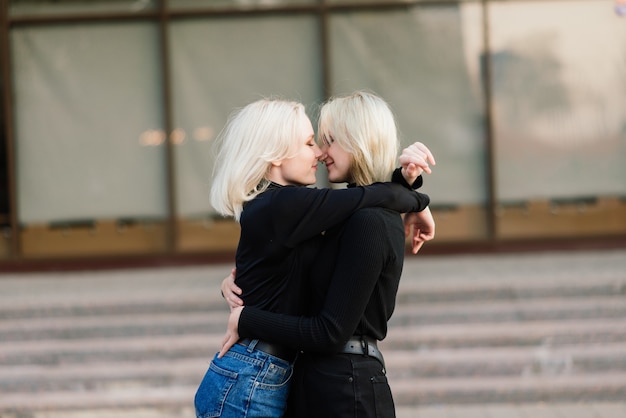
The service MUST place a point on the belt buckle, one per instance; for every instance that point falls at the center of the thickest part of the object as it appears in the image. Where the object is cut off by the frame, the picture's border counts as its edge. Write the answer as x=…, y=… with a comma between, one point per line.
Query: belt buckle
x=365, y=347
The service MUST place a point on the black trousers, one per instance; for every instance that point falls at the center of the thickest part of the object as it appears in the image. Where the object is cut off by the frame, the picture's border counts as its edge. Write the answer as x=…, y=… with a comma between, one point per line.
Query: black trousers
x=339, y=385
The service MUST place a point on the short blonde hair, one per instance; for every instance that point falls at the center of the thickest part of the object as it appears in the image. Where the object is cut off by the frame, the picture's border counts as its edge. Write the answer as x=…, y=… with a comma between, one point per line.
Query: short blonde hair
x=254, y=136
x=364, y=125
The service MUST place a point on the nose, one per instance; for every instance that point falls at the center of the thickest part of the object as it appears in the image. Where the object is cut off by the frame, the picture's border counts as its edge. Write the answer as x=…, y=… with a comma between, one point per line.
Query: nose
x=324, y=149
x=319, y=153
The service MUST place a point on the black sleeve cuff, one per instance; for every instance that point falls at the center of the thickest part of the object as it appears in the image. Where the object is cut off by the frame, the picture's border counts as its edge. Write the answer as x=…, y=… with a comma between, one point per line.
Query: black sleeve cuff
x=397, y=177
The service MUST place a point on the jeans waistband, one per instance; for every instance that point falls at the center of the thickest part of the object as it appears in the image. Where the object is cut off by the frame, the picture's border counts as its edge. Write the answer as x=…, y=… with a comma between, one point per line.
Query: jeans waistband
x=276, y=350
x=365, y=346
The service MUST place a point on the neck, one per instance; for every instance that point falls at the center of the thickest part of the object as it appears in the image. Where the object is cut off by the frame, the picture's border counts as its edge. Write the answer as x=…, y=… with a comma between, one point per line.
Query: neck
x=275, y=177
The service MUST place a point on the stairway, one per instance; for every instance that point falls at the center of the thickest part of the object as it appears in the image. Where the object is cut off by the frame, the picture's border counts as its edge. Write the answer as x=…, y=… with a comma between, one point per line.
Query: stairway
x=527, y=341
x=108, y=344
x=465, y=331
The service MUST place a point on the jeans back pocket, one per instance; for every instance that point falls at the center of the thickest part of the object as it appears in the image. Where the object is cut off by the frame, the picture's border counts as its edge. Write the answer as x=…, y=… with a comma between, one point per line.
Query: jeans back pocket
x=213, y=390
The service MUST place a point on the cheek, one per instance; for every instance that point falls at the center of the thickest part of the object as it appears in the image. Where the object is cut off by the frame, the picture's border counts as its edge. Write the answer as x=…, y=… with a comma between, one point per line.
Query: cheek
x=345, y=160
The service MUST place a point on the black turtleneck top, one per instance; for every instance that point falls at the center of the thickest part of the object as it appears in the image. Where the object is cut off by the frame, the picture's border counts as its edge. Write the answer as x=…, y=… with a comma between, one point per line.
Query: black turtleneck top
x=349, y=289
x=281, y=235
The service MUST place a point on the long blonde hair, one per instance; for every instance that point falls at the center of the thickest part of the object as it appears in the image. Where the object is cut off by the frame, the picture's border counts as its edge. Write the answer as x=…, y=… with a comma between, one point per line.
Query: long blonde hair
x=254, y=136
x=364, y=125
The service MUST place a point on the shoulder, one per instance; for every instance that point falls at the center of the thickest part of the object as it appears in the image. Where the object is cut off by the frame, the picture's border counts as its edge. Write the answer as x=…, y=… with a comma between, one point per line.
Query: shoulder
x=289, y=199
x=381, y=221
x=288, y=192
x=374, y=231
x=373, y=218
x=284, y=201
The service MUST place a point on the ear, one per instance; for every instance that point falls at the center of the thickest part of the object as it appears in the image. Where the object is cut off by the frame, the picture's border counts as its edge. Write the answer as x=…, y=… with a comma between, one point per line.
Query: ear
x=277, y=163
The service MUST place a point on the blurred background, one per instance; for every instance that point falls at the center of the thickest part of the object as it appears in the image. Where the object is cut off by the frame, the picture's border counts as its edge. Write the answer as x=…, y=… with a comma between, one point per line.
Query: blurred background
x=109, y=110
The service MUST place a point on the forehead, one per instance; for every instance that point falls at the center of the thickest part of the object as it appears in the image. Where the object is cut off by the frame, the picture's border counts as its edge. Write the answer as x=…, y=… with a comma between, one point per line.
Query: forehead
x=327, y=121
x=305, y=125
x=325, y=129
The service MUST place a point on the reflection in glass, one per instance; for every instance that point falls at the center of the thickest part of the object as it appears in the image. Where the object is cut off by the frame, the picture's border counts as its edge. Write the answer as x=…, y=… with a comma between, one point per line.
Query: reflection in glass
x=559, y=107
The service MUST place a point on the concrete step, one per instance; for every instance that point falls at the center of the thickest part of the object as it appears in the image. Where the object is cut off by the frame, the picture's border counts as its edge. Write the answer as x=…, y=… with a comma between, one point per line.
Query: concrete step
x=137, y=348
x=154, y=384
x=552, y=308
x=82, y=322
x=525, y=333
x=102, y=376
x=172, y=386
x=120, y=396
x=507, y=361
x=112, y=326
x=179, y=323
x=60, y=309
x=106, y=301
x=155, y=411
x=506, y=334
x=525, y=288
x=562, y=388
x=73, y=336
x=475, y=363
x=574, y=409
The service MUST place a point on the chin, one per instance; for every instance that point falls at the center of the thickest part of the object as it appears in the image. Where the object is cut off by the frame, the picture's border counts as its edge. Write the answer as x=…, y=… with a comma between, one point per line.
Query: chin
x=336, y=178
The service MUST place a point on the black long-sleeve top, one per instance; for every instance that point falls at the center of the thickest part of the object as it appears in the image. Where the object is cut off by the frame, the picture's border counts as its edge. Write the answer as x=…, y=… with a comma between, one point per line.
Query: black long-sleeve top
x=281, y=232
x=352, y=290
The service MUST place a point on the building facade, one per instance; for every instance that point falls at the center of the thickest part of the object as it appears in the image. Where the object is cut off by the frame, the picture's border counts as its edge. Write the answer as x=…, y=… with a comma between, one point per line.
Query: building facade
x=109, y=110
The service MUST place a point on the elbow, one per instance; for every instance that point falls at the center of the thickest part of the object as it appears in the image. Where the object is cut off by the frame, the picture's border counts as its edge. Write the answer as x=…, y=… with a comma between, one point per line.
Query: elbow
x=341, y=337
x=334, y=341
x=335, y=336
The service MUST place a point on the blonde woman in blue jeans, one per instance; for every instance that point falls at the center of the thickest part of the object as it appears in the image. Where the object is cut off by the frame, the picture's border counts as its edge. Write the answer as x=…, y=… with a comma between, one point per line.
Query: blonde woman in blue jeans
x=351, y=289
x=267, y=152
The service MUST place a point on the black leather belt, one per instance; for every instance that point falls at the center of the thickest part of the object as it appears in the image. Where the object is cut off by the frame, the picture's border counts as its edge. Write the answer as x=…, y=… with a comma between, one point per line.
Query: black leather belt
x=275, y=350
x=365, y=346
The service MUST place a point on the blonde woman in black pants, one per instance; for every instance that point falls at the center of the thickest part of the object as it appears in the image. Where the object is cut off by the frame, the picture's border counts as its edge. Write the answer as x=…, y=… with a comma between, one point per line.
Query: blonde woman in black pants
x=350, y=293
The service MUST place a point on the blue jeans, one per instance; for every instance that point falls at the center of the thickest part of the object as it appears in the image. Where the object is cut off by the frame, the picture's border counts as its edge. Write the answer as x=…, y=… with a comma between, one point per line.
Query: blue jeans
x=244, y=383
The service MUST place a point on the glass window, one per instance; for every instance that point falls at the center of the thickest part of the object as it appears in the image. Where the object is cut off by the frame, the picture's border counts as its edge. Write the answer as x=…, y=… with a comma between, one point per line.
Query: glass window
x=220, y=65
x=88, y=123
x=559, y=124
x=426, y=65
